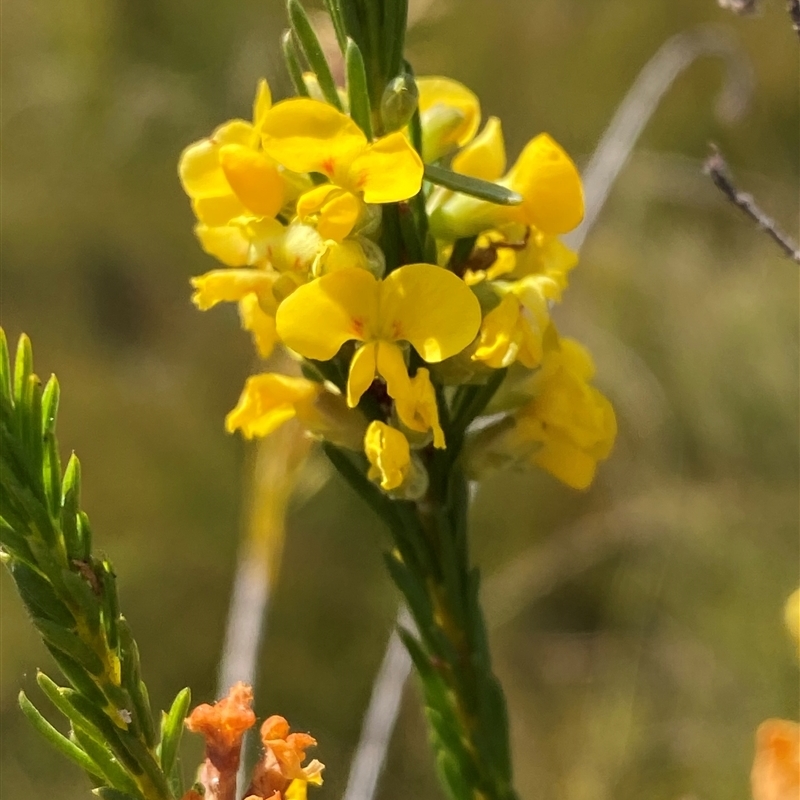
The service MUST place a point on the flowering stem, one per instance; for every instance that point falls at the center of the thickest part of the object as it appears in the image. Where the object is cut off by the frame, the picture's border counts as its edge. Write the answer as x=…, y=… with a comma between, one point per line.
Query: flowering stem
x=430, y=565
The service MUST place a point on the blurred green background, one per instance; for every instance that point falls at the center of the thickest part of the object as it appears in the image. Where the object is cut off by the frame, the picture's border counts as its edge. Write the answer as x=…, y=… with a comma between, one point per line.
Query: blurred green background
x=637, y=628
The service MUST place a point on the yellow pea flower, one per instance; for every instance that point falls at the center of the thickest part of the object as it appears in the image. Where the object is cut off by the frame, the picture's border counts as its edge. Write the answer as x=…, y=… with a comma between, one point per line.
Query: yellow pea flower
x=227, y=175
x=422, y=304
x=514, y=330
x=306, y=135
x=450, y=114
x=270, y=399
x=417, y=408
x=253, y=290
x=543, y=174
x=389, y=455
x=569, y=423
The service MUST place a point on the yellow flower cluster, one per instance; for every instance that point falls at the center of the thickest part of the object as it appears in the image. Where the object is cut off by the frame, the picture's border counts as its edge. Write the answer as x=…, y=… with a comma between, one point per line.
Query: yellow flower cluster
x=293, y=204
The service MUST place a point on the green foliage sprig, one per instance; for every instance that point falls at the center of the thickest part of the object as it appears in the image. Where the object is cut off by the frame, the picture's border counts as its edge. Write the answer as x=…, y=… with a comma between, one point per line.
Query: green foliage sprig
x=71, y=596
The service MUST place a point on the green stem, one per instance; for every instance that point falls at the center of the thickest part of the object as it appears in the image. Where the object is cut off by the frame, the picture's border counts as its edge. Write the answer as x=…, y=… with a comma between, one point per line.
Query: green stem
x=465, y=705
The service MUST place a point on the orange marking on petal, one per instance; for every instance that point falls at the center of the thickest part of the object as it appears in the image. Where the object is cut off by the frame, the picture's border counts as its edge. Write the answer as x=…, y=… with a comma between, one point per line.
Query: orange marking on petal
x=328, y=166
x=358, y=327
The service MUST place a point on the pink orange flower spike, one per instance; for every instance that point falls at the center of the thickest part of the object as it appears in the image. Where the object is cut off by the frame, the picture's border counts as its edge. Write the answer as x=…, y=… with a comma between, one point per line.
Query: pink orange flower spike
x=223, y=725
x=776, y=768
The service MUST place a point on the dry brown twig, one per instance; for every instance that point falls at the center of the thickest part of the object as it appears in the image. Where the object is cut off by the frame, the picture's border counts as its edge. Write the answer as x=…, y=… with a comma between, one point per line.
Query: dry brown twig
x=717, y=169
x=794, y=13
x=740, y=6
x=748, y=7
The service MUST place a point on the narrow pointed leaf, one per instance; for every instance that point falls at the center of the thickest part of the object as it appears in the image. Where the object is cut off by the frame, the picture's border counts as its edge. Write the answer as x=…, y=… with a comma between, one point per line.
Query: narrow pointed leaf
x=172, y=729
x=312, y=50
x=113, y=771
x=332, y=6
x=292, y=59
x=491, y=192
x=5, y=368
x=57, y=739
x=357, y=91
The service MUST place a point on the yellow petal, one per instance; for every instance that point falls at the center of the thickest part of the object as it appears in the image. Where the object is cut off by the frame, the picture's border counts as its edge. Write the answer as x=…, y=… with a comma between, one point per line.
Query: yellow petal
x=319, y=317
x=571, y=465
x=498, y=343
x=269, y=400
x=344, y=255
x=430, y=307
x=199, y=170
x=363, y=368
x=387, y=171
x=260, y=324
x=449, y=94
x=485, y=156
x=297, y=791
x=388, y=453
x=198, y=166
x=550, y=185
x=418, y=409
x=243, y=241
x=229, y=243
x=232, y=285
x=338, y=210
x=254, y=178
x=217, y=211
x=391, y=366
x=310, y=136
x=262, y=103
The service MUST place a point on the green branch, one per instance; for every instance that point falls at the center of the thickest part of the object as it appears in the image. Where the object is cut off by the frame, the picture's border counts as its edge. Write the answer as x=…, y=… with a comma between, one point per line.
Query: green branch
x=71, y=597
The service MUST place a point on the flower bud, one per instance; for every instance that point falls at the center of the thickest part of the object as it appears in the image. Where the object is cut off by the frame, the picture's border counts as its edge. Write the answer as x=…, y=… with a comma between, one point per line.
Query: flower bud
x=399, y=102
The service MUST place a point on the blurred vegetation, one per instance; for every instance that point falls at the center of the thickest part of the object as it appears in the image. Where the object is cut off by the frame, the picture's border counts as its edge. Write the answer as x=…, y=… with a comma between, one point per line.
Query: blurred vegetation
x=639, y=663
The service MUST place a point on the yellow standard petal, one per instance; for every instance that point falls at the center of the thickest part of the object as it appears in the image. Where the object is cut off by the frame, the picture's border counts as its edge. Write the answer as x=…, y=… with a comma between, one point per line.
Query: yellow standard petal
x=417, y=408
x=389, y=455
x=550, y=185
x=389, y=170
x=311, y=136
x=431, y=308
x=269, y=400
x=254, y=179
x=485, y=156
x=319, y=317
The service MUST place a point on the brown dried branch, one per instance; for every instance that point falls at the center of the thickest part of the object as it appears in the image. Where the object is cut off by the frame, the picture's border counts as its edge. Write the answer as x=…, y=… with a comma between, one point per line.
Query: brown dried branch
x=716, y=168
x=793, y=7
x=740, y=6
